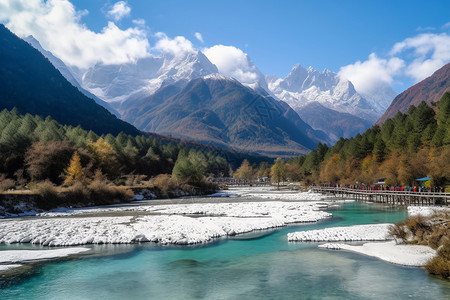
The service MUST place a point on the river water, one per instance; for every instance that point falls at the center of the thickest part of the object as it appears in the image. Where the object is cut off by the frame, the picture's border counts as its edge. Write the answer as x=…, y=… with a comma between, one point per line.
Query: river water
x=260, y=265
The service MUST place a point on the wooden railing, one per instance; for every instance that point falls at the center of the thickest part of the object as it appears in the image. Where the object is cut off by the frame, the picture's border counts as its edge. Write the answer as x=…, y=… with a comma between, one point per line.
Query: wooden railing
x=391, y=197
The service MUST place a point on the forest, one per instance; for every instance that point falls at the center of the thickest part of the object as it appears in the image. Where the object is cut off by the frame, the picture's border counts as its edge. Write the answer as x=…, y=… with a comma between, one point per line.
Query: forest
x=409, y=146
x=37, y=152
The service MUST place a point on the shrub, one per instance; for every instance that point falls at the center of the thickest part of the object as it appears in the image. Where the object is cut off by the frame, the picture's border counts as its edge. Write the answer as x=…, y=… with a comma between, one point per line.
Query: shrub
x=77, y=193
x=398, y=232
x=103, y=193
x=6, y=183
x=438, y=237
x=417, y=225
x=440, y=265
x=163, y=182
x=133, y=180
x=47, y=193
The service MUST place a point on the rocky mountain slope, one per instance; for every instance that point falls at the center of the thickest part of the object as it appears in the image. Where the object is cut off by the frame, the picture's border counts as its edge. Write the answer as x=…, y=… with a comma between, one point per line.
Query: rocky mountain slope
x=67, y=73
x=429, y=90
x=29, y=82
x=221, y=111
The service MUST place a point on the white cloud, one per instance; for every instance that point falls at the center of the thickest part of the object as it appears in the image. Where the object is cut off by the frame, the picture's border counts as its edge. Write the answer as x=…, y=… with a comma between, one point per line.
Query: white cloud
x=199, y=37
x=139, y=22
x=58, y=27
x=232, y=62
x=119, y=10
x=430, y=51
x=177, y=46
x=416, y=58
x=373, y=74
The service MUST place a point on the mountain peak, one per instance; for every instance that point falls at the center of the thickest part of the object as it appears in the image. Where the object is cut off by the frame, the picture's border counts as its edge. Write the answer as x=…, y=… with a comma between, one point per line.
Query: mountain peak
x=116, y=83
x=303, y=86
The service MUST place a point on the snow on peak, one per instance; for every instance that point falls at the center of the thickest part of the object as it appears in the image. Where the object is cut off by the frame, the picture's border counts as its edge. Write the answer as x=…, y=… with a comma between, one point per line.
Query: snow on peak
x=217, y=76
x=115, y=83
x=303, y=86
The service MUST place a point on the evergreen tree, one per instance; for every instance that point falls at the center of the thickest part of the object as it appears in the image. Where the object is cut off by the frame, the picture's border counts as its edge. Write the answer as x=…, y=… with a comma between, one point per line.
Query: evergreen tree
x=379, y=150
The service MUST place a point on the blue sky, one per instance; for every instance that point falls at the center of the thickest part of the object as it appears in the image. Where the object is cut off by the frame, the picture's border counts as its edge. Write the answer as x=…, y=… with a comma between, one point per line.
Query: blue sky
x=384, y=38
x=279, y=34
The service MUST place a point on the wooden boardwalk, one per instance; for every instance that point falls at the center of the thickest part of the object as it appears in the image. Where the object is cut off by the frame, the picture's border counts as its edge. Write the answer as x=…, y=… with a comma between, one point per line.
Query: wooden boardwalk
x=240, y=182
x=388, y=197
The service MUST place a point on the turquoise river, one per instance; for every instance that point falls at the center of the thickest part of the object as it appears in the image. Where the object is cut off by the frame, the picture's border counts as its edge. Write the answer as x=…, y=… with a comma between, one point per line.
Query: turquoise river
x=260, y=265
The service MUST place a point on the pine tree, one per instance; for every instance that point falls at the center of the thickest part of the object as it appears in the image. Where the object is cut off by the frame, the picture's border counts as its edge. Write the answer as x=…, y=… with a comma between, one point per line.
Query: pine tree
x=379, y=149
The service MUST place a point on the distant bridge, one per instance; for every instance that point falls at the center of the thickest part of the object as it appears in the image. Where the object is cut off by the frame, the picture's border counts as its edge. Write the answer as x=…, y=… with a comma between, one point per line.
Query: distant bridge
x=388, y=197
x=228, y=181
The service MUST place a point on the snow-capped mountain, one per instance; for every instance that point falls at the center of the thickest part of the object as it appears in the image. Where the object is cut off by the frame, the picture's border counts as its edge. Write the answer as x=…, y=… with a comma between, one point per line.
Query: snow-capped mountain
x=219, y=110
x=116, y=83
x=304, y=86
x=68, y=73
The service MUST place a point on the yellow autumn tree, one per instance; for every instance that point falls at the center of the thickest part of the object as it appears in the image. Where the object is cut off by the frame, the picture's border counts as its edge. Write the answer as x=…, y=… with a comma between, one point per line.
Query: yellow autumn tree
x=104, y=156
x=74, y=172
x=278, y=171
x=245, y=171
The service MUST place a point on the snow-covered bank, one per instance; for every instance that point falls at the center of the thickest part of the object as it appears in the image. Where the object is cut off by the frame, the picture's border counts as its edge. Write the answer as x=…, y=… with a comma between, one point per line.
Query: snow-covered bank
x=19, y=256
x=8, y=267
x=232, y=209
x=14, y=256
x=167, y=224
x=371, y=232
x=269, y=193
x=407, y=255
x=426, y=211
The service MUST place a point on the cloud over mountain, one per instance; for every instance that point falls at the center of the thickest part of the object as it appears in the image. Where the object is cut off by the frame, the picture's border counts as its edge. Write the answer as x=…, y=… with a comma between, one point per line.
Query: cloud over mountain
x=57, y=25
x=233, y=62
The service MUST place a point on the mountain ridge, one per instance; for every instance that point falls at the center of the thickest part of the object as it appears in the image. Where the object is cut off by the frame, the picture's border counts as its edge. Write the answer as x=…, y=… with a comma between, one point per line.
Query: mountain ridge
x=429, y=90
x=222, y=111
x=30, y=82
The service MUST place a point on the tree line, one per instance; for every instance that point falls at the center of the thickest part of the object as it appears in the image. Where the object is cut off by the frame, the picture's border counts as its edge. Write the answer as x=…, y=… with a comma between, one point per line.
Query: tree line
x=411, y=145
x=34, y=149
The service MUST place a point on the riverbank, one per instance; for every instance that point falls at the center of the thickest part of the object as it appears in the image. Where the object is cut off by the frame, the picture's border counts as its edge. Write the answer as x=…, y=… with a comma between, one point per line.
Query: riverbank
x=47, y=197
x=184, y=221
x=397, y=252
x=181, y=224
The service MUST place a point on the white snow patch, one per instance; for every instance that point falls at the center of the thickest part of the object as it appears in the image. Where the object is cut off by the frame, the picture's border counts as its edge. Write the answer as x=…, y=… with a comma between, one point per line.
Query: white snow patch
x=426, y=211
x=370, y=232
x=407, y=255
x=12, y=256
x=8, y=267
x=170, y=226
